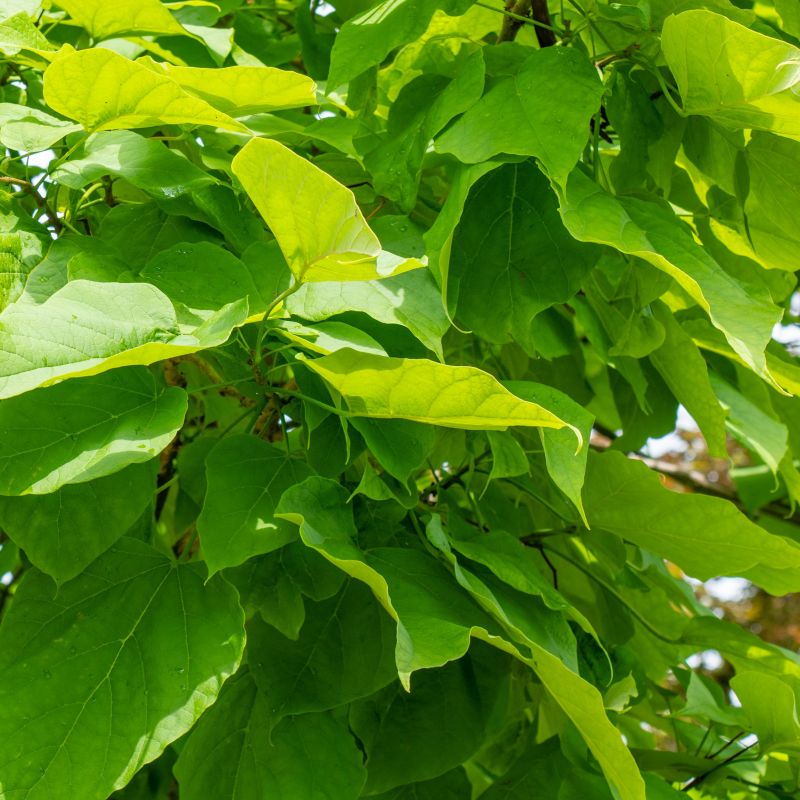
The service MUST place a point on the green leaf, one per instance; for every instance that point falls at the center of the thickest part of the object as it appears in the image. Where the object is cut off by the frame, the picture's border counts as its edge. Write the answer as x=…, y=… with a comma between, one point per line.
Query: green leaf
x=63, y=532
x=508, y=456
x=684, y=370
x=773, y=197
x=328, y=337
x=142, y=17
x=751, y=425
x=85, y=429
x=339, y=245
x=538, y=633
x=540, y=768
x=203, y=277
x=771, y=705
x=424, y=391
x=144, y=163
x=735, y=75
x=705, y=698
x=29, y=130
x=399, y=445
x=246, y=478
x=411, y=300
x=511, y=246
x=105, y=91
x=524, y=104
x=345, y=651
x=87, y=327
x=132, y=651
x=512, y=562
x=423, y=107
x=276, y=583
x=439, y=238
x=705, y=536
x=240, y=91
x=366, y=39
x=650, y=231
x=435, y=619
x=448, y=710
x=453, y=785
x=13, y=272
x=566, y=467
x=232, y=753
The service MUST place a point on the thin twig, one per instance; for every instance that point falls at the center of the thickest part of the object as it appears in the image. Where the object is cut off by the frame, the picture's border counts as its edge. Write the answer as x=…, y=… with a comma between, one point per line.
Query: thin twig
x=40, y=201
x=695, y=782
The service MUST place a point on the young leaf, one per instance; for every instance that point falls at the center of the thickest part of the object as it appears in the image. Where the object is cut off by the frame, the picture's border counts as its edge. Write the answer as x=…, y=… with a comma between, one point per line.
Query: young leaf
x=732, y=74
x=105, y=91
x=141, y=17
x=424, y=391
x=321, y=231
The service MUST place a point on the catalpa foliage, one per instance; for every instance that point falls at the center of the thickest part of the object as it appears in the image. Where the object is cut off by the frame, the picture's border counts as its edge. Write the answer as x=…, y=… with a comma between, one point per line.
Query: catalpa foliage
x=331, y=338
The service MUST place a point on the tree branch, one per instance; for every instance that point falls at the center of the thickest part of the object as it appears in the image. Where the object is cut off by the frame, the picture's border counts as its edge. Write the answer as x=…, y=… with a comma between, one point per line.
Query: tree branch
x=41, y=203
x=518, y=12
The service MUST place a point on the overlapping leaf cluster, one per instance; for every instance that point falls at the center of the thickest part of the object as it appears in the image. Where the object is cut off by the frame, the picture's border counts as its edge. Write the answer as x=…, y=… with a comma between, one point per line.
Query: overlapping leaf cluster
x=312, y=319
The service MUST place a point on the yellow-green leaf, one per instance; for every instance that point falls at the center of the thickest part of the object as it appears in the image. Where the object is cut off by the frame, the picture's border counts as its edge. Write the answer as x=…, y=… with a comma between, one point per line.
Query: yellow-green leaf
x=733, y=74
x=104, y=19
x=239, y=91
x=320, y=228
x=105, y=91
x=427, y=391
x=19, y=33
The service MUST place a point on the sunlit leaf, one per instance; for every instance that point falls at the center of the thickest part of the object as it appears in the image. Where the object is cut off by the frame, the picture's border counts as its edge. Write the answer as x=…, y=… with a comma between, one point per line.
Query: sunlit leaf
x=426, y=391
x=316, y=220
x=85, y=429
x=142, y=17
x=735, y=75
x=105, y=91
x=86, y=328
x=239, y=91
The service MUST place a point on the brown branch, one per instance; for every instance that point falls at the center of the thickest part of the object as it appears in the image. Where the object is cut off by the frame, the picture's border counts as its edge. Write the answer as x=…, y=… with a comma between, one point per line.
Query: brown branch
x=534, y=11
x=545, y=35
x=41, y=203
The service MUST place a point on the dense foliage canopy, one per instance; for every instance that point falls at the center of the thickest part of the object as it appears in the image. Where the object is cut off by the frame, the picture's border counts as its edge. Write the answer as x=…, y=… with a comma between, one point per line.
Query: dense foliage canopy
x=331, y=338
